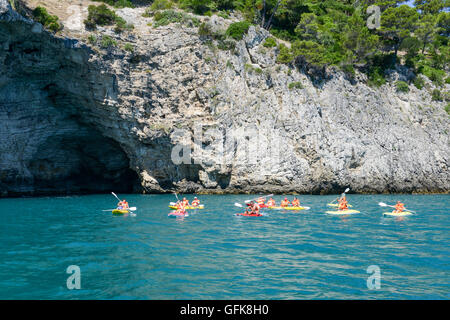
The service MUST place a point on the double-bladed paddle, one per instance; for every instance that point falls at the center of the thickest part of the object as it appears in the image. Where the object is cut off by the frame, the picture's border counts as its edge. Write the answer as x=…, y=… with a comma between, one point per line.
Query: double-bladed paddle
x=382, y=204
x=247, y=201
x=346, y=190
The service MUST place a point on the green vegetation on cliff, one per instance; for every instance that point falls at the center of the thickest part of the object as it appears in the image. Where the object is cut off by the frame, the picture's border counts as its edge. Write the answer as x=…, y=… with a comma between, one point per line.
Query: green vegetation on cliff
x=237, y=30
x=339, y=32
x=103, y=16
x=51, y=22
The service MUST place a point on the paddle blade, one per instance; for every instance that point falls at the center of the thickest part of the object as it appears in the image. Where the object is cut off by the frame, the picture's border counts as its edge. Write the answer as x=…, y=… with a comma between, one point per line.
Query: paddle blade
x=172, y=203
x=347, y=190
x=115, y=195
x=132, y=208
x=382, y=204
x=238, y=205
x=269, y=195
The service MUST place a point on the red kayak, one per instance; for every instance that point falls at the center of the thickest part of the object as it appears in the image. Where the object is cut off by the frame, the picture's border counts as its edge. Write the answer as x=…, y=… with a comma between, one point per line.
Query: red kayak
x=249, y=214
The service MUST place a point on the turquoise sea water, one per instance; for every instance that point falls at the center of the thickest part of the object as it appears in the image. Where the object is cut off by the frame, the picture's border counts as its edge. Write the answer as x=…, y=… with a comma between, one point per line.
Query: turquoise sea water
x=213, y=254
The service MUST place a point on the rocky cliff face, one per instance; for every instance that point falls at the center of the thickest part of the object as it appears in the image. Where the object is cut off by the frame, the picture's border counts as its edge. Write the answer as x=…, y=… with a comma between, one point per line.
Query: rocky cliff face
x=78, y=118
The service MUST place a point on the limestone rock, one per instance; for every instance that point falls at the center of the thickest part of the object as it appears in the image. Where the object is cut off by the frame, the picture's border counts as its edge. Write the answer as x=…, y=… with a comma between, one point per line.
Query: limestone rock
x=76, y=117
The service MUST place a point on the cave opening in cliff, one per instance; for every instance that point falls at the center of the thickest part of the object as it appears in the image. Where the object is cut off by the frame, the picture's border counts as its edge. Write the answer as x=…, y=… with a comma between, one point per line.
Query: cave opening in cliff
x=82, y=162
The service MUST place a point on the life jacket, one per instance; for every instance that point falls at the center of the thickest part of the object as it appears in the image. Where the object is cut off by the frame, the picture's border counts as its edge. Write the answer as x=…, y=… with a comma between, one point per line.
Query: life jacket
x=195, y=203
x=260, y=200
x=399, y=207
x=295, y=203
x=285, y=203
x=343, y=205
x=271, y=203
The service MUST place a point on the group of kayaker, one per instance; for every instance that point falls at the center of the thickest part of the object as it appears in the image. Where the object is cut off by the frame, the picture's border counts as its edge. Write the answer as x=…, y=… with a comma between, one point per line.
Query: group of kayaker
x=343, y=205
x=271, y=202
x=182, y=205
x=254, y=206
x=185, y=202
x=285, y=203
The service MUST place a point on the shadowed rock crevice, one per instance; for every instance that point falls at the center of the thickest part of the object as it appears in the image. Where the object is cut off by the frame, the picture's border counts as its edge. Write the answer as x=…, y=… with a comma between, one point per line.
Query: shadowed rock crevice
x=81, y=162
x=49, y=143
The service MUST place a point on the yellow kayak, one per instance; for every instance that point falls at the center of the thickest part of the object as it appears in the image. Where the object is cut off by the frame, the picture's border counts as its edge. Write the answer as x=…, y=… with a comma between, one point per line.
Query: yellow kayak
x=190, y=207
x=288, y=208
x=342, y=211
x=120, y=212
x=336, y=205
x=397, y=214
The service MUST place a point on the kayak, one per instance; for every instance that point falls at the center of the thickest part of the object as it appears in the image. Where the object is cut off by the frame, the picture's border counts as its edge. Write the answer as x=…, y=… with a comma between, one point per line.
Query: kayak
x=190, y=207
x=397, y=214
x=120, y=211
x=289, y=208
x=342, y=211
x=249, y=214
x=178, y=214
x=336, y=205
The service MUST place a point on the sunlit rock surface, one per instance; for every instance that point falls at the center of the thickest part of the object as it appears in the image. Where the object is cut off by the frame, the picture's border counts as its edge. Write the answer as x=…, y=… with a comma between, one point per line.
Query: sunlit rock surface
x=77, y=118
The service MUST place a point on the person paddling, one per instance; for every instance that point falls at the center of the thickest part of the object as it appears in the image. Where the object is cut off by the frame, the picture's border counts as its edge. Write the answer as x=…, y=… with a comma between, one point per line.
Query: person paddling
x=185, y=202
x=399, y=207
x=343, y=203
x=195, y=202
x=285, y=203
x=181, y=208
x=260, y=201
x=255, y=208
x=252, y=208
x=296, y=202
x=249, y=208
x=271, y=202
x=122, y=205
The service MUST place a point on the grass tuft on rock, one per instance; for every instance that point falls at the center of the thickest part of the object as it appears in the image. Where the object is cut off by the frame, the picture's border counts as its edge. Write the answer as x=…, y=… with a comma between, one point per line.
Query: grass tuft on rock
x=237, y=30
x=402, y=86
x=103, y=16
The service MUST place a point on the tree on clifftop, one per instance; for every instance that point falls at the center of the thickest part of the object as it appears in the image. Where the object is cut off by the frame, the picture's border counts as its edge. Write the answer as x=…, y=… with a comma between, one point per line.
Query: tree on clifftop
x=397, y=24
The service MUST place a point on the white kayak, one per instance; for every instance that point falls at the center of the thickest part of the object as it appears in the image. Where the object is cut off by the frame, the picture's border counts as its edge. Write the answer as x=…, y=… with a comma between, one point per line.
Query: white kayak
x=341, y=212
x=397, y=214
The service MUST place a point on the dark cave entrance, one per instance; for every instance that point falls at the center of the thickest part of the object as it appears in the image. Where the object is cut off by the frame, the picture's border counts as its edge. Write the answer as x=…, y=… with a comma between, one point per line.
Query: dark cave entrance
x=82, y=161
